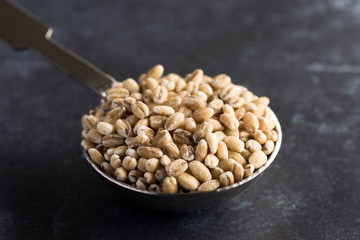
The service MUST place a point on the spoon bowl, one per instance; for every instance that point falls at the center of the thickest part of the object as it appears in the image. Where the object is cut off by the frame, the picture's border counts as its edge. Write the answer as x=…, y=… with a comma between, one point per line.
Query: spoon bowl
x=186, y=201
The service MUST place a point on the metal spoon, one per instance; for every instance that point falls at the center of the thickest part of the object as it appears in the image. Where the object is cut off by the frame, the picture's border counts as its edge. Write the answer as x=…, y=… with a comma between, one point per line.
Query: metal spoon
x=22, y=30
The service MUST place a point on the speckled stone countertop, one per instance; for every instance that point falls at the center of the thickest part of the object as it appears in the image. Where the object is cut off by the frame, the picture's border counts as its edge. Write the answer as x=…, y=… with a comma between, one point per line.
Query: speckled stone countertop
x=304, y=55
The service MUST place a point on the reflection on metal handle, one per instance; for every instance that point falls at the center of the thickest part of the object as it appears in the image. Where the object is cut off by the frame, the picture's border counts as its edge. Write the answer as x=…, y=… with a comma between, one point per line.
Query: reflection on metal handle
x=74, y=65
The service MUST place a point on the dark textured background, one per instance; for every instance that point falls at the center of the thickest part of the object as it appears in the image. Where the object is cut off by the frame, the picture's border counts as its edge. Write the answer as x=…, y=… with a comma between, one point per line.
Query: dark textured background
x=304, y=55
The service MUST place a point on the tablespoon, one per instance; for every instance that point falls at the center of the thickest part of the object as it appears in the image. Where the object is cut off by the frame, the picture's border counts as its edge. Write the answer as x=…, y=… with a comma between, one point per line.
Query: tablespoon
x=22, y=30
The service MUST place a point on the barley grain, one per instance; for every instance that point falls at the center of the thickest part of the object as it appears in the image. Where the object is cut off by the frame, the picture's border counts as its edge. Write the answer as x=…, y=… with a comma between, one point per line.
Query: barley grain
x=161, y=174
x=154, y=187
x=229, y=121
x=176, y=167
x=182, y=136
x=187, y=181
x=165, y=160
x=216, y=172
x=162, y=138
x=121, y=150
x=200, y=171
x=203, y=114
x=169, y=185
x=194, y=102
x=115, y=161
x=107, y=168
x=152, y=165
x=123, y=128
x=149, y=152
x=220, y=81
x=86, y=144
x=164, y=110
x=131, y=85
x=201, y=150
x=190, y=125
x=160, y=94
x=220, y=135
x=96, y=156
x=251, y=122
x=172, y=151
x=129, y=163
x=258, y=159
x=211, y=161
x=268, y=147
x=217, y=126
x=234, y=144
x=248, y=170
x=237, y=157
x=253, y=145
x=134, y=175
x=121, y=174
x=210, y=185
x=157, y=121
x=175, y=121
x=94, y=136
x=141, y=184
x=187, y=152
x=226, y=178
x=202, y=130
x=260, y=137
x=212, y=142
x=156, y=71
x=222, y=151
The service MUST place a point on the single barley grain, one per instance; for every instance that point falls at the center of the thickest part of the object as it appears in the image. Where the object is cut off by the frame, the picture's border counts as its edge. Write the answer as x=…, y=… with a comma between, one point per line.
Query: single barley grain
x=258, y=159
x=212, y=142
x=152, y=165
x=201, y=150
x=169, y=185
x=260, y=137
x=115, y=161
x=190, y=125
x=248, y=170
x=187, y=152
x=209, y=185
x=200, y=171
x=226, y=178
x=161, y=174
x=129, y=163
x=134, y=175
x=141, y=184
x=211, y=161
x=268, y=147
x=121, y=174
x=176, y=167
x=234, y=144
x=253, y=145
x=96, y=156
x=187, y=181
x=222, y=151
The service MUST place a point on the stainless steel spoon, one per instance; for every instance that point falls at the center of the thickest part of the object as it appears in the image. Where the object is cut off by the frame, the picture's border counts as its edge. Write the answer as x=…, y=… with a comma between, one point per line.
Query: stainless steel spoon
x=22, y=30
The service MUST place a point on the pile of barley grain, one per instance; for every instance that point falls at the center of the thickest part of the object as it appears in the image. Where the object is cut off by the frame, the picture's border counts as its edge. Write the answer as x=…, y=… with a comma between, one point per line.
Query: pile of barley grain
x=175, y=134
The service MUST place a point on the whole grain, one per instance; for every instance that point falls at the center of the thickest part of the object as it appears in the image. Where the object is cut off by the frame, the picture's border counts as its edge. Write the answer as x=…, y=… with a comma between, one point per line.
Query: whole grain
x=174, y=134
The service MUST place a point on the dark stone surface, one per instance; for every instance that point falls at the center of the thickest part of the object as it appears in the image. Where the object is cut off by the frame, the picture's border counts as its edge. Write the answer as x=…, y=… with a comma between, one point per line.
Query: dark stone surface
x=304, y=55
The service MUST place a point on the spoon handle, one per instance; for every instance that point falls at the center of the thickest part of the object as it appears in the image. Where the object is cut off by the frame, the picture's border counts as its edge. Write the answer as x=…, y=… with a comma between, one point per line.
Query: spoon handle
x=87, y=73
x=22, y=30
